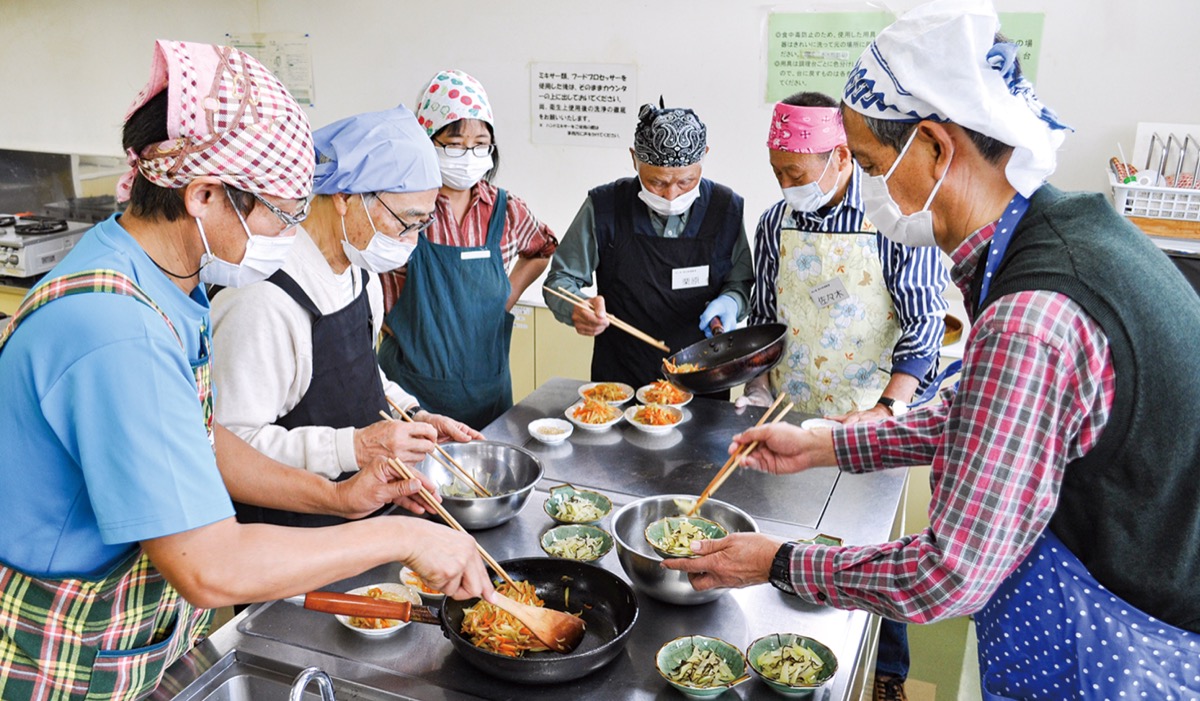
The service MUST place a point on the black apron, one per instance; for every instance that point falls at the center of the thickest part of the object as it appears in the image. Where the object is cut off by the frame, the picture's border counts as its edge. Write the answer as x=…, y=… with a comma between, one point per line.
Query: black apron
x=343, y=357
x=634, y=274
x=450, y=328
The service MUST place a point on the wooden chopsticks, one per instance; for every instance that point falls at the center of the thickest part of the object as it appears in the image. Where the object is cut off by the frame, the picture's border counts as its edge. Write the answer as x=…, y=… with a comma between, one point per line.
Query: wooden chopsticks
x=734, y=460
x=582, y=304
x=450, y=520
x=453, y=465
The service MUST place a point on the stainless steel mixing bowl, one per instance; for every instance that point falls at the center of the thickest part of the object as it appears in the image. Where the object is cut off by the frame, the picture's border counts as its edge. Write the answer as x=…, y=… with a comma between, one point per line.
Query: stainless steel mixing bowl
x=640, y=561
x=507, y=471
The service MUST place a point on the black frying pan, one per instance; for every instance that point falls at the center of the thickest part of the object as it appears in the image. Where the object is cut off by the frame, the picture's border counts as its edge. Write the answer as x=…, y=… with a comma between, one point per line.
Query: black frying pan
x=729, y=359
x=609, y=608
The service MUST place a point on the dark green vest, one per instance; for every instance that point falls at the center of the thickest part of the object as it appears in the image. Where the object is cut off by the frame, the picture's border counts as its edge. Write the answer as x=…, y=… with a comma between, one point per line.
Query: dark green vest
x=1130, y=508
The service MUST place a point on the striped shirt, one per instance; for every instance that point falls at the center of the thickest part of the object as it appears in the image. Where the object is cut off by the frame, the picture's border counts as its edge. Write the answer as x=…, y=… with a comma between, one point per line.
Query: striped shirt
x=915, y=277
x=1036, y=392
x=524, y=235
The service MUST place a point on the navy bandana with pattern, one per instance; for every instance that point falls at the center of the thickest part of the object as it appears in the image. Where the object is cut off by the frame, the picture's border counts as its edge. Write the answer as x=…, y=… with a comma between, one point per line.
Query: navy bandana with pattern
x=669, y=137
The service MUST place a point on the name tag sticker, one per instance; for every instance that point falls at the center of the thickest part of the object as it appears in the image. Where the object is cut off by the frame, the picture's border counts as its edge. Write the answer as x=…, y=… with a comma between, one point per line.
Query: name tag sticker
x=474, y=255
x=829, y=293
x=687, y=278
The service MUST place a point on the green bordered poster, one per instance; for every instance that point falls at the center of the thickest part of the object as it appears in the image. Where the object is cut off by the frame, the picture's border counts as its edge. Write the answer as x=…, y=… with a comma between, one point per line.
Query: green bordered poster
x=814, y=51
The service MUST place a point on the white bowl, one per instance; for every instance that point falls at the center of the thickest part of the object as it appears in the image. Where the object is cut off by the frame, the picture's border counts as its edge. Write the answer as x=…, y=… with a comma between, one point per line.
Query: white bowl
x=570, y=414
x=641, y=396
x=410, y=594
x=819, y=423
x=626, y=390
x=550, y=431
x=631, y=417
x=410, y=578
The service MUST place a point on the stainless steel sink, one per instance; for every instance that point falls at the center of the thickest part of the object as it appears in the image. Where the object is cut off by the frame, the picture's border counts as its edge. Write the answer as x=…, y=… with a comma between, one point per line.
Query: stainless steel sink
x=239, y=676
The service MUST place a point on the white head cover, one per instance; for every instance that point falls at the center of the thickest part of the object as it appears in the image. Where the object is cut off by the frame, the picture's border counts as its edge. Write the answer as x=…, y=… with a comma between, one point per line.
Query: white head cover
x=940, y=61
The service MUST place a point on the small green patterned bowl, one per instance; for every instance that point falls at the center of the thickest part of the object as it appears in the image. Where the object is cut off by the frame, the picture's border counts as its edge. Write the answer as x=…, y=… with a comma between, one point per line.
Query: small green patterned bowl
x=552, y=536
x=673, y=654
x=562, y=494
x=657, y=531
x=776, y=641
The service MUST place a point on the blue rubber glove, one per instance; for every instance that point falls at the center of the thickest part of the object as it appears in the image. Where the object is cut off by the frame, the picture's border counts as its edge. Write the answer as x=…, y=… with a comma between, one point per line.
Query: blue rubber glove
x=724, y=308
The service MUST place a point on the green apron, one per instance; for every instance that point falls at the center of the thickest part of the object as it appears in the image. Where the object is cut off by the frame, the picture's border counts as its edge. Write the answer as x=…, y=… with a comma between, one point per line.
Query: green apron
x=105, y=638
x=450, y=329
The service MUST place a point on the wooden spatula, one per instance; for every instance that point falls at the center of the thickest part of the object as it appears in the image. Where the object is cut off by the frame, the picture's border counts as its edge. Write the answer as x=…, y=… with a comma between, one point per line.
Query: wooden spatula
x=561, y=632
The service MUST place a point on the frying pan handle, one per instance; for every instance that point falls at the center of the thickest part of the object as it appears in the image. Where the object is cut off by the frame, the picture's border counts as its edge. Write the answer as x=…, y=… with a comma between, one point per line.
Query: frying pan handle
x=354, y=605
x=715, y=326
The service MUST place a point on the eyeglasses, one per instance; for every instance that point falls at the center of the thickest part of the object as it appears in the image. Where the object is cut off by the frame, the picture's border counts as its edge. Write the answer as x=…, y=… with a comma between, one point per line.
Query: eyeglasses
x=289, y=220
x=408, y=228
x=459, y=151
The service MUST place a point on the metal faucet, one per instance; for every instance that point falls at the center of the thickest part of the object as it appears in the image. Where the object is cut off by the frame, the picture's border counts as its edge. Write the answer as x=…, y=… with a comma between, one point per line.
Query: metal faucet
x=324, y=684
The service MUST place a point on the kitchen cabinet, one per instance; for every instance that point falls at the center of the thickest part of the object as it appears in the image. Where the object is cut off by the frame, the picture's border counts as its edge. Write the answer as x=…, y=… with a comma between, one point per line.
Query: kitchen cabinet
x=543, y=348
x=10, y=298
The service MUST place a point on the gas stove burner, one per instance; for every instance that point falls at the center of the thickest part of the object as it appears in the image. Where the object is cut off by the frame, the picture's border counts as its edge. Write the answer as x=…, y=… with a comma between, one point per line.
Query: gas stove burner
x=7, y=220
x=39, y=227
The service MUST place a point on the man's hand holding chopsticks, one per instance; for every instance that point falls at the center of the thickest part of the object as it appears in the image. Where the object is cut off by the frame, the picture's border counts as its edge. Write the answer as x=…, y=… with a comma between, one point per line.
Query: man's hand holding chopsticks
x=784, y=448
x=406, y=442
x=448, y=429
x=590, y=320
x=378, y=485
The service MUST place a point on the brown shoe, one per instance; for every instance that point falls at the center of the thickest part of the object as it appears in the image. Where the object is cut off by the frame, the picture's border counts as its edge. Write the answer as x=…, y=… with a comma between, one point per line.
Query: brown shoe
x=889, y=688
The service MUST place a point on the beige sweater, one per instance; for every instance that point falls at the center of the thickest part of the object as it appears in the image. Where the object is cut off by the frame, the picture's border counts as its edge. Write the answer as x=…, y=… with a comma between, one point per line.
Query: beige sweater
x=263, y=360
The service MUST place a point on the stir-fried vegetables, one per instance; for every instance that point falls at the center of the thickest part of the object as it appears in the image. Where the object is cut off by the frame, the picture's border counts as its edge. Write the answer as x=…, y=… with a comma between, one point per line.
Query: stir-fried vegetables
x=680, y=368
x=663, y=392
x=413, y=579
x=594, y=411
x=497, y=631
x=461, y=490
x=791, y=664
x=678, y=536
x=607, y=392
x=377, y=623
x=704, y=668
x=577, y=547
x=576, y=509
x=654, y=415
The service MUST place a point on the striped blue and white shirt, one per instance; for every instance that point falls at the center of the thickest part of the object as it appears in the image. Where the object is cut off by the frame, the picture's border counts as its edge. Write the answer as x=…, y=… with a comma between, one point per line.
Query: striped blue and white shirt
x=915, y=277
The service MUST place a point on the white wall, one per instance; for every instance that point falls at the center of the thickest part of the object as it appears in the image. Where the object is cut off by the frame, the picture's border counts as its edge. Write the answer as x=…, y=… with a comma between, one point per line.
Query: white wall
x=1105, y=65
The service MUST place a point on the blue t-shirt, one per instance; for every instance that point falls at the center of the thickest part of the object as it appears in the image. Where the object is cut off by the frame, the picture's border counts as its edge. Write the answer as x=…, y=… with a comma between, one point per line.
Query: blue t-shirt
x=104, y=440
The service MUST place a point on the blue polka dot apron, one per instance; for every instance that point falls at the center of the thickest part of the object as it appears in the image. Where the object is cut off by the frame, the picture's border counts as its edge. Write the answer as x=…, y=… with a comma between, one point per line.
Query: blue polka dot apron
x=1051, y=631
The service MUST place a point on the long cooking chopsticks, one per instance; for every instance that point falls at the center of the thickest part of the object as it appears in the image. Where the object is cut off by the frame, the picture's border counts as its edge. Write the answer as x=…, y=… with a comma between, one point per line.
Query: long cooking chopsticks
x=732, y=463
x=449, y=463
x=632, y=331
x=450, y=520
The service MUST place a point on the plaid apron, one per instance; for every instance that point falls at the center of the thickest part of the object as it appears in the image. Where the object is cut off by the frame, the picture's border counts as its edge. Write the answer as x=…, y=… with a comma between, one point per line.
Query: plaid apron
x=105, y=638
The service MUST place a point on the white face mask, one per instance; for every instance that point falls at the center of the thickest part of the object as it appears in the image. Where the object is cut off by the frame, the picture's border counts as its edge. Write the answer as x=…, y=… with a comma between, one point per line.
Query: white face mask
x=264, y=255
x=462, y=172
x=383, y=253
x=666, y=207
x=914, y=229
x=810, y=197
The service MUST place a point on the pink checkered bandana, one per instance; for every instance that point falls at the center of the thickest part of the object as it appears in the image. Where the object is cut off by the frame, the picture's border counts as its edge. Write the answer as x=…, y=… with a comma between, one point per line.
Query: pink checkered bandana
x=228, y=117
x=805, y=129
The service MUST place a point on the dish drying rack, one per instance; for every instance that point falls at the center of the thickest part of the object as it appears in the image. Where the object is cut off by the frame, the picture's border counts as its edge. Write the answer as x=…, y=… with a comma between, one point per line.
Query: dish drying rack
x=1163, y=197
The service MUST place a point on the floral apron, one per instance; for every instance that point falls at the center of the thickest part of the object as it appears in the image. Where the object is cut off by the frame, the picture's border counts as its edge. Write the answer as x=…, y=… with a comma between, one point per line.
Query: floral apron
x=841, y=322
x=105, y=638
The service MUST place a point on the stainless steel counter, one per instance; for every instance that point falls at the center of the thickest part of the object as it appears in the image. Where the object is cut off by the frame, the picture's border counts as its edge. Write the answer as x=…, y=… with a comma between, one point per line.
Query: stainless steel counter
x=418, y=662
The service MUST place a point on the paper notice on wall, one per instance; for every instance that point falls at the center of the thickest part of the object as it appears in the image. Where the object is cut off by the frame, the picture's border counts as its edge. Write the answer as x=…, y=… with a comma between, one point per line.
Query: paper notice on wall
x=287, y=55
x=583, y=104
x=814, y=51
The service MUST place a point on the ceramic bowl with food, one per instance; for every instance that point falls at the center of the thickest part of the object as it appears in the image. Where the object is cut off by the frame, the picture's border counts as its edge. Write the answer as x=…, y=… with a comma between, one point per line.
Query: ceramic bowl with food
x=577, y=542
x=567, y=504
x=380, y=627
x=672, y=536
x=412, y=579
x=793, y=665
x=507, y=471
x=655, y=419
x=820, y=423
x=643, y=566
x=593, y=415
x=615, y=393
x=700, y=666
x=663, y=392
x=551, y=431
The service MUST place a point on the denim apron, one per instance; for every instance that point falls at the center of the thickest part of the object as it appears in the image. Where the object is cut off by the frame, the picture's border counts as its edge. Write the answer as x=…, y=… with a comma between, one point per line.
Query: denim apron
x=450, y=329
x=111, y=637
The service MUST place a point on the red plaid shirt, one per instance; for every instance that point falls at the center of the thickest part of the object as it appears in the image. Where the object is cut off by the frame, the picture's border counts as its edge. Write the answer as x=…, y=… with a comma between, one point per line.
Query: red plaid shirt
x=524, y=235
x=1036, y=390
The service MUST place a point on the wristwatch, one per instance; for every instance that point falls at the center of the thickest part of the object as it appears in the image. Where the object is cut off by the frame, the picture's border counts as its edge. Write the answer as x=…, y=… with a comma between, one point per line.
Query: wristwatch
x=895, y=406
x=781, y=569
